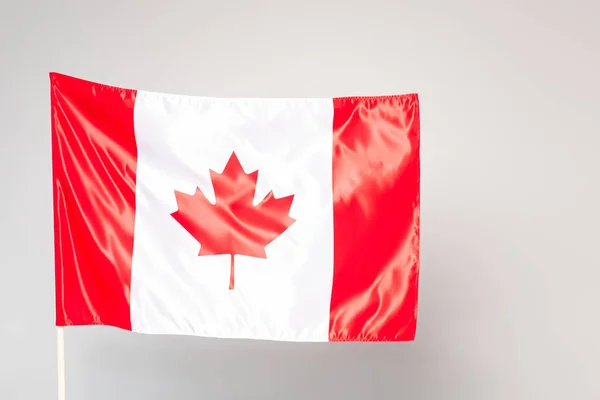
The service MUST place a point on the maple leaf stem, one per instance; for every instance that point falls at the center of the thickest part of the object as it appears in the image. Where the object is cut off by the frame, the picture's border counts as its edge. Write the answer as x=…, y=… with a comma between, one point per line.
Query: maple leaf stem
x=231, y=274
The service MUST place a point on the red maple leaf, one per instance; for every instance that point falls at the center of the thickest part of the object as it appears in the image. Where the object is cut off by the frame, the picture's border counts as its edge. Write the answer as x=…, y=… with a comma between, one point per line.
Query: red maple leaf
x=233, y=225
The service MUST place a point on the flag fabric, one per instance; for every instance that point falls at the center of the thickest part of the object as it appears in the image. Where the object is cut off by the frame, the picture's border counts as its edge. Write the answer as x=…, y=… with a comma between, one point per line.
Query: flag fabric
x=291, y=219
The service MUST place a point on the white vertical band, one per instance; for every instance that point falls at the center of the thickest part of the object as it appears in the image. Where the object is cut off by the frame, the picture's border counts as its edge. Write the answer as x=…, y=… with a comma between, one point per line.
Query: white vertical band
x=288, y=142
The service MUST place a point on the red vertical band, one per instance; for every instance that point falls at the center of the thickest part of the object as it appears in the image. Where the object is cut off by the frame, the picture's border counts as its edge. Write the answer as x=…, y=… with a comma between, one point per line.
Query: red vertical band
x=376, y=218
x=94, y=159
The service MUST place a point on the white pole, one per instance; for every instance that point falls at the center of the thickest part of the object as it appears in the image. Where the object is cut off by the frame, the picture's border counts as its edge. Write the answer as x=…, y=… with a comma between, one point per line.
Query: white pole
x=60, y=359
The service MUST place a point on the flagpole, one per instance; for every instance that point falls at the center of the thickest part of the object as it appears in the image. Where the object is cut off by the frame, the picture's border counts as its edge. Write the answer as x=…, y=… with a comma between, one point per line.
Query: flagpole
x=60, y=360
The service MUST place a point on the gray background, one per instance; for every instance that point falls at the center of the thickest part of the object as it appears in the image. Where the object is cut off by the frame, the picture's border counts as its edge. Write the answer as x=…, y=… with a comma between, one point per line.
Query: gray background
x=509, y=289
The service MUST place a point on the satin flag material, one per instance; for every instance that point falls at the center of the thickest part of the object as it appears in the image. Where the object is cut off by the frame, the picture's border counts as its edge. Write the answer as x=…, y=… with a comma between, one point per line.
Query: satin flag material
x=279, y=219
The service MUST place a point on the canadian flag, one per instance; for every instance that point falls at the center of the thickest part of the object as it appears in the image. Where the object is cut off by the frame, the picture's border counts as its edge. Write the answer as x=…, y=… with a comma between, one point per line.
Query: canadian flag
x=292, y=219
